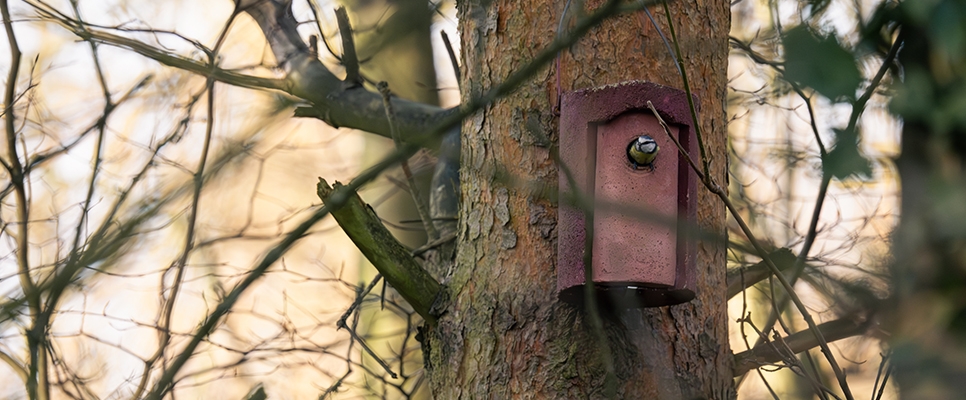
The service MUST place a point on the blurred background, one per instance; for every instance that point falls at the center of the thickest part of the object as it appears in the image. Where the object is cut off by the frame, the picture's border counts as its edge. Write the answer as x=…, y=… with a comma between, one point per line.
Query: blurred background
x=168, y=235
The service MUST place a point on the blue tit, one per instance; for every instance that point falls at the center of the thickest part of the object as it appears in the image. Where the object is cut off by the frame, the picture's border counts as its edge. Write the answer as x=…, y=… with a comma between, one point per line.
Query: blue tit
x=642, y=151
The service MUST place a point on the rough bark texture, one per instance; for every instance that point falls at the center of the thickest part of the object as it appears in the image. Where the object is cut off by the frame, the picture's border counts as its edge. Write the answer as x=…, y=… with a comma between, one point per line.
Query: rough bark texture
x=505, y=334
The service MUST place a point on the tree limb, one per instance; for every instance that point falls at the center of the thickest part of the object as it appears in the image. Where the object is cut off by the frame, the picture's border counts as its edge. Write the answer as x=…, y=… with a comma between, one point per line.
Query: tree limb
x=306, y=77
x=336, y=103
x=741, y=278
x=769, y=352
x=391, y=258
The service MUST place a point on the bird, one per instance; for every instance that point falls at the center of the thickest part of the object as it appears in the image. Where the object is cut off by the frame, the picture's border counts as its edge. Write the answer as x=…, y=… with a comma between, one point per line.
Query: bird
x=642, y=151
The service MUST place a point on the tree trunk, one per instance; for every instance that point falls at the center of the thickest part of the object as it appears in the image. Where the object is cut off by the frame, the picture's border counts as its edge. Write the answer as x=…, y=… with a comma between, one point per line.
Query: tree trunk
x=505, y=334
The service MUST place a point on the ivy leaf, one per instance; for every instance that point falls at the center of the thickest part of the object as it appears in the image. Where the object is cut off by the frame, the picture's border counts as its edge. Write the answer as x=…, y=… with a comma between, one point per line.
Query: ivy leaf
x=844, y=160
x=821, y=64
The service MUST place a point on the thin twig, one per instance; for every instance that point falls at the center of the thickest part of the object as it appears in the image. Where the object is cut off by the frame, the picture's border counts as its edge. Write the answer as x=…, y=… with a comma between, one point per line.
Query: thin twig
x=434, y=244
x=857, y=109
x=821, y=390
x=421, y=207
x=341, y=324
x=37, y=382
x=97, y=157
x=349, y=59
x=452, y=54
x=885, y=369
x=677, y=143
x=341, y=195
x=372, y=353
x=715, y=189
x=797, y=343
x=168, y=303
x=705, y=161
x=742, y=278
x=335, y=386
x=359, y=297
x=99, y=142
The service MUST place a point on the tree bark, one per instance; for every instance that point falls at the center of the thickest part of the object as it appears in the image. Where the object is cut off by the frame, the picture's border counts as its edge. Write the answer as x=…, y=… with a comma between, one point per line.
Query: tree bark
x=505, y=334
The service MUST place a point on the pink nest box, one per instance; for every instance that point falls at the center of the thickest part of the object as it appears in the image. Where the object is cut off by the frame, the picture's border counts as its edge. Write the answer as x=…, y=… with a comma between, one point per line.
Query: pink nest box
x=640, y=253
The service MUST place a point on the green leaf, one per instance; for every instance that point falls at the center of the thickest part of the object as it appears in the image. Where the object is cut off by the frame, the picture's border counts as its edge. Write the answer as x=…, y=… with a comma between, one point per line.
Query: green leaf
x=821, y=64
x=844, y=160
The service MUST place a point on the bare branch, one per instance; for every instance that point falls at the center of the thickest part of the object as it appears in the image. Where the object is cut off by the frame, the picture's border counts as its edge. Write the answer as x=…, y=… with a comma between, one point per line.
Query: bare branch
x=451, y=53
x=740, y=279
x=801, y=341
x=334, y=102
x=37, y=380
x=349, y=58
x=390, y=257
x=421, y=207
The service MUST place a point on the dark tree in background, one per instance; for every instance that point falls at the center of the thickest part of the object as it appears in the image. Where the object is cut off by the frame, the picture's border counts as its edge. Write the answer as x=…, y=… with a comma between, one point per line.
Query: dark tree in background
x=927, y=311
